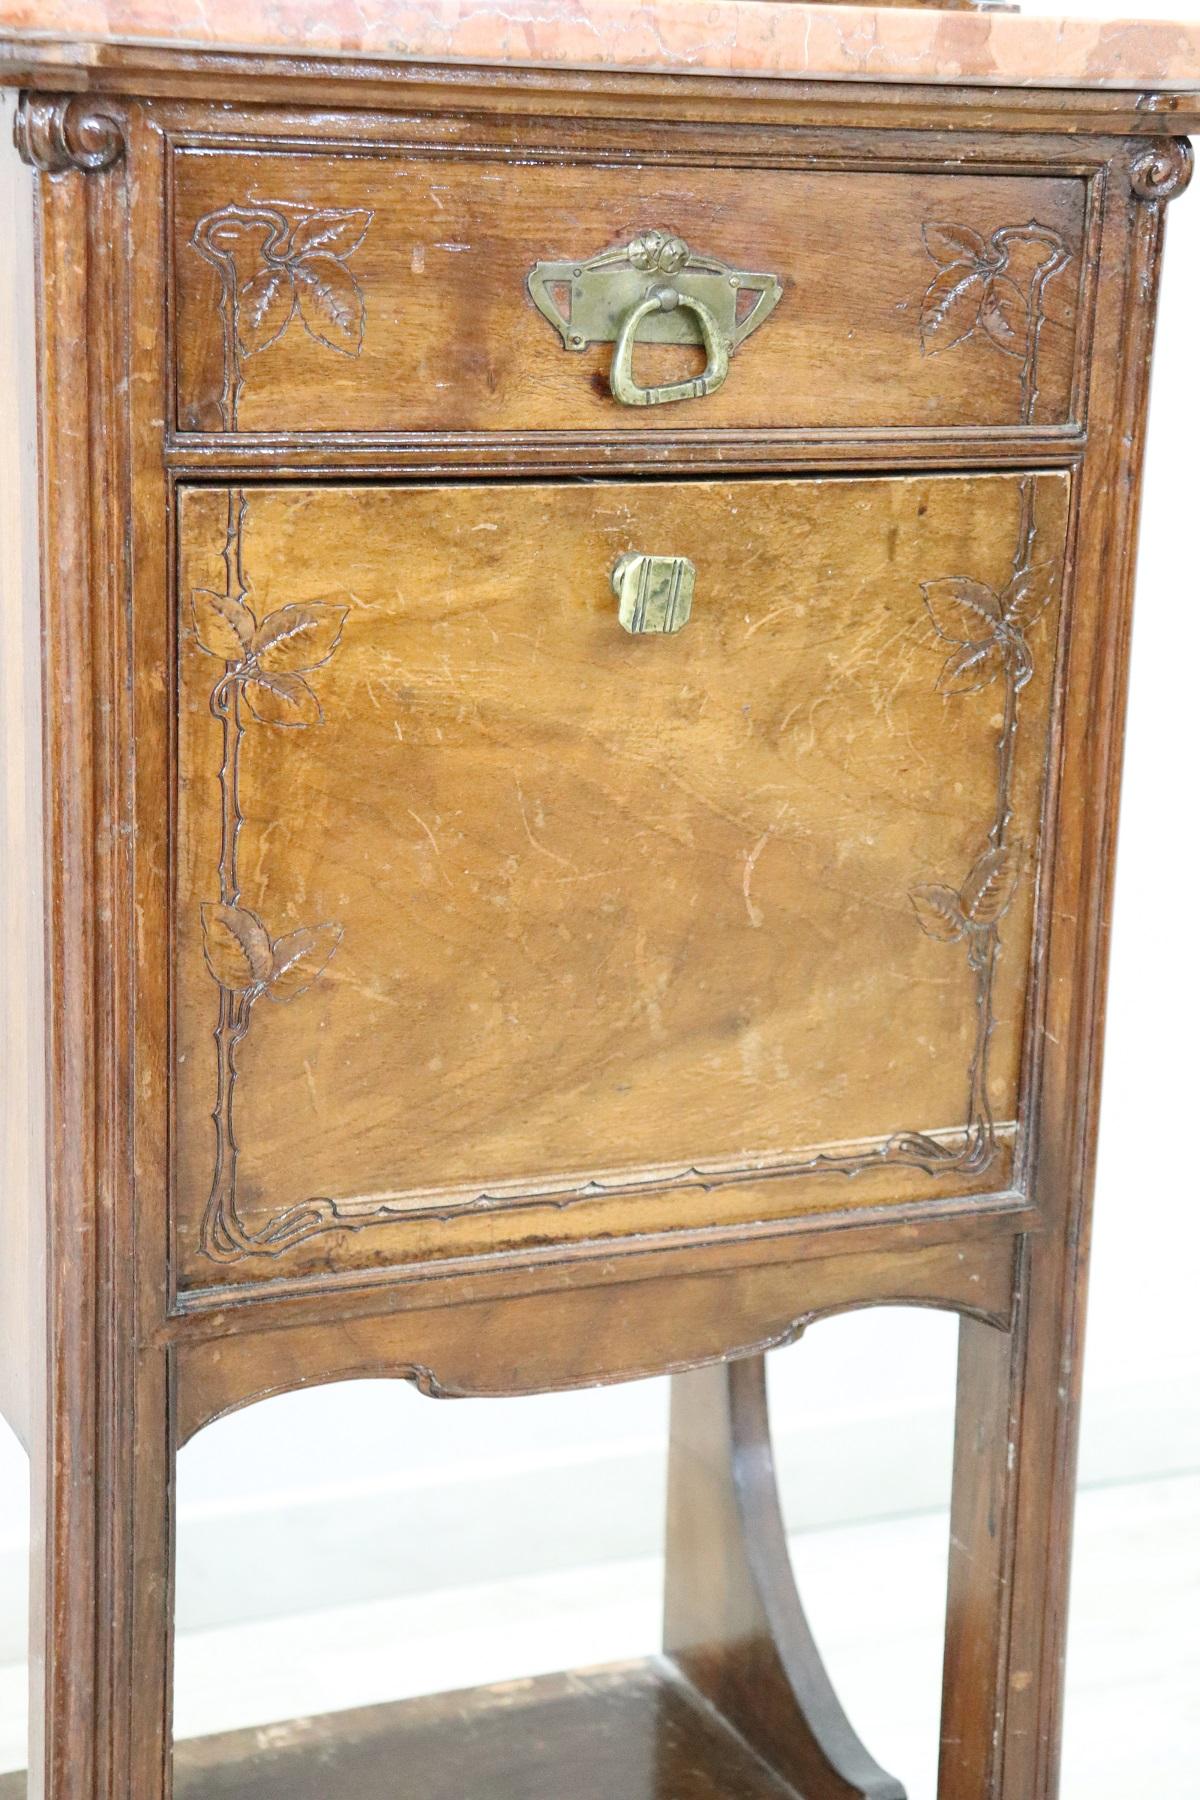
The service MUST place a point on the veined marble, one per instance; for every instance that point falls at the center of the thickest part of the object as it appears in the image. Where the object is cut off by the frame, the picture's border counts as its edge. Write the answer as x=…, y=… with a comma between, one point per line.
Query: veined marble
x=710, y=37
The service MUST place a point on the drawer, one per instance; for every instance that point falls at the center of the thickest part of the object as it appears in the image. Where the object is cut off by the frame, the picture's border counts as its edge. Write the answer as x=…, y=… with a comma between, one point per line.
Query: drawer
x=499, y=921
x=374, y=293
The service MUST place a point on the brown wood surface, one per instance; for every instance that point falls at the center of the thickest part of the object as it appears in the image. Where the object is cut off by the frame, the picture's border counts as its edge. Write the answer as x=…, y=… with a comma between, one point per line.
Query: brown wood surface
x=733, y=1624
x=449, y=339
x=123, y=1369
x=631, y=1730
x=612, y=909
x=579, y=1336
x=22, y=906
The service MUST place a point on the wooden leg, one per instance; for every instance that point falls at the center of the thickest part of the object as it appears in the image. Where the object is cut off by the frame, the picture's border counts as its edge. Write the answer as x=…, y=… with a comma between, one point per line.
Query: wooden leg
x=981, y=1544
x=1010, y=1539
x=734, y=1624
x=102, y=1606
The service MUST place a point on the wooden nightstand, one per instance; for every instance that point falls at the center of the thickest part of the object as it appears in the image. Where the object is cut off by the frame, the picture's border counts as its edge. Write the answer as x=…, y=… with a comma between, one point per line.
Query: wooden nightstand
x=571, y=726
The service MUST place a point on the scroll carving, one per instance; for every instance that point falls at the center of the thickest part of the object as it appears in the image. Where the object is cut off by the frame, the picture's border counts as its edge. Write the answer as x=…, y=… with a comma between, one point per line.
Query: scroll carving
x=57, y=132
x=1163, y=172
x=992, y=289
x=278, y=263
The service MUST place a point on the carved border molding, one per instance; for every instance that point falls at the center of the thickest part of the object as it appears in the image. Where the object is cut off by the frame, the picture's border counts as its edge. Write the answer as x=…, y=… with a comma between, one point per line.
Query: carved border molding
x=57, y=132
x=265, y=665
x=984, y=633
x=1164, y=171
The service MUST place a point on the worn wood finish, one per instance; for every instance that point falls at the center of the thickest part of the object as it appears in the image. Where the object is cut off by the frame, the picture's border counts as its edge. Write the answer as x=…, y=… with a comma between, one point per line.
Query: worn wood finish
x=710, y=837
x=22, y=1059
x=419, y=286
x=635, y=1730
x=734, y=1624
x=131, y=1361
x=581, y=1335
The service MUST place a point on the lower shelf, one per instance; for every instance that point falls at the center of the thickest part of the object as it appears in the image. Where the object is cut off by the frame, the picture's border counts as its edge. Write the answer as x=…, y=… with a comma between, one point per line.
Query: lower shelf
x=634, y=1731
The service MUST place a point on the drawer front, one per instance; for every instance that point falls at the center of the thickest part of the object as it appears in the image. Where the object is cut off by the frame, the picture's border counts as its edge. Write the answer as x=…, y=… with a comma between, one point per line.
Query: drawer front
x=395, y=294
x=499, y=922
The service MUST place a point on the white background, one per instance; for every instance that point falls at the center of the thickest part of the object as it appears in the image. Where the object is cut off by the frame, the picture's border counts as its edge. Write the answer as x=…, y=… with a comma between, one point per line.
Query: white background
x=362, y=1491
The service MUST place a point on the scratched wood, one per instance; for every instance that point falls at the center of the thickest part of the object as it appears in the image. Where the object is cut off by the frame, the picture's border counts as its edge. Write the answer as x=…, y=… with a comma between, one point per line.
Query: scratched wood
x=434, y=330
x=588, y=906
x=632, y=1730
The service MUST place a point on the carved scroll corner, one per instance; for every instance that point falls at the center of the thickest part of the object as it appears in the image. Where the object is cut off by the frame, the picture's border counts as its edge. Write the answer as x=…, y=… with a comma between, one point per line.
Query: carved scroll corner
x=57, y=132
x=1163, y=171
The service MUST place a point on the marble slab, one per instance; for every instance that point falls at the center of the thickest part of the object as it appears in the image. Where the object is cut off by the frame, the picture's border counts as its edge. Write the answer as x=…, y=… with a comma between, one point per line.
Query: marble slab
x=771, y=38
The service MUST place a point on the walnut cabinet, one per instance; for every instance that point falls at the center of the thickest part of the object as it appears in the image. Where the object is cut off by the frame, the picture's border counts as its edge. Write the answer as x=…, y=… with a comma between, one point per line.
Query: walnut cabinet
x=571, y=656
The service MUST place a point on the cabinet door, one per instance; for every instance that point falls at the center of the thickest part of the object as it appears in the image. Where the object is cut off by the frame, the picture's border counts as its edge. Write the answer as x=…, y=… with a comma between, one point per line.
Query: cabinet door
x=500, y=924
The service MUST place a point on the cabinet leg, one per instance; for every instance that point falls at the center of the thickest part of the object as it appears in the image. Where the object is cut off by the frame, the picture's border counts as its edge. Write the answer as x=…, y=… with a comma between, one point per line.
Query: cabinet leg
x=980, y=1568
x=734, y=1625
x=102, y=1603
x=1010, y=1541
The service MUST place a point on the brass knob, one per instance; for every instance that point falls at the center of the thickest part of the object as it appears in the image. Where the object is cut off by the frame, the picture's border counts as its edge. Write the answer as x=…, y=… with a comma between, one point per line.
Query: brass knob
x=654, y=592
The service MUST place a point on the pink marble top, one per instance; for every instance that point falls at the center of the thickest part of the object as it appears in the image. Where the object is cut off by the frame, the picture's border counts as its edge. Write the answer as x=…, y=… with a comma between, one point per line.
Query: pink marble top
x=709, y=37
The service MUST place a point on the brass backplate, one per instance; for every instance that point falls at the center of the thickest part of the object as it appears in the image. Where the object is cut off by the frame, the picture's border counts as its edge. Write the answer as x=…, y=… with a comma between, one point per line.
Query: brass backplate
x=587, y=302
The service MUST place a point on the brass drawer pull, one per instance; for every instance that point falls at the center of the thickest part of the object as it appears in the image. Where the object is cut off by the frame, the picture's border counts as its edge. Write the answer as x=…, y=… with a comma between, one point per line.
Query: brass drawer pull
x=666, y=299
x=654, y=592
x=657, y=283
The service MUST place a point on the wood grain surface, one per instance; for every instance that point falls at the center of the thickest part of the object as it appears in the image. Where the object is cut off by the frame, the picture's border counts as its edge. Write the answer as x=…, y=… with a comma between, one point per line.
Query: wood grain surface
x=426, y=324
x=597, y=907
x=633, y=1731
x=409, y=736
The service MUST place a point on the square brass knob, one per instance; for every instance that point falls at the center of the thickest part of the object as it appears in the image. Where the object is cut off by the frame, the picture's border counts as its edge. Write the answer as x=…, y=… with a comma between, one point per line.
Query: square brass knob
x=654, y=592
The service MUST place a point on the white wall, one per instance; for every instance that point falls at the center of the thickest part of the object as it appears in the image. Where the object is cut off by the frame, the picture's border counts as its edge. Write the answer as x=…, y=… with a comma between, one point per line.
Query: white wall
x=379, y=1490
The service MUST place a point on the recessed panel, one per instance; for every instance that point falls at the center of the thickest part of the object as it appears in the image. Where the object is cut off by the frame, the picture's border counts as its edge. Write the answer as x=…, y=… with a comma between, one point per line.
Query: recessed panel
x=500, y=922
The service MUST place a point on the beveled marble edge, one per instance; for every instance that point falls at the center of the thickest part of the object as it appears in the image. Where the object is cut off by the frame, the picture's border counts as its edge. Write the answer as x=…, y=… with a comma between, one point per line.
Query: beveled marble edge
x=763, y=38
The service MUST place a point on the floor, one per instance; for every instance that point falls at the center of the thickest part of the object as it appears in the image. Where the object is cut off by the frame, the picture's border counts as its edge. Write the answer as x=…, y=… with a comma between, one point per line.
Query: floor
x=873, y=1593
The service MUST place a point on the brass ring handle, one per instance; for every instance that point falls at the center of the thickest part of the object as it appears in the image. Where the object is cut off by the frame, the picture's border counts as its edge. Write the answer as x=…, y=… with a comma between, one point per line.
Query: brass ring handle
x=666, y=299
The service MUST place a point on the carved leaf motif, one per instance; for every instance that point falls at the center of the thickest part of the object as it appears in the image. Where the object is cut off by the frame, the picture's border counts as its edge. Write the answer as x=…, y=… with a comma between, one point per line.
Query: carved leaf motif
x=299, y=636
x=284, y=700
x=951, y=307
x=988, y=890
x=336, y=233
x=958, y=606
x=939, y=912
x=237, y=948
x=331, y=303
x=265, y=306
x=300, y=957
x=223, y=625
x=1028, y=594
x=948, y=244
x=1005, y=315
x=971, y=667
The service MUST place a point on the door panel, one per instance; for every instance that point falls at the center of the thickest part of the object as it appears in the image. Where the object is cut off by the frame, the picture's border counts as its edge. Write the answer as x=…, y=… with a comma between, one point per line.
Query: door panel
x=498, y=924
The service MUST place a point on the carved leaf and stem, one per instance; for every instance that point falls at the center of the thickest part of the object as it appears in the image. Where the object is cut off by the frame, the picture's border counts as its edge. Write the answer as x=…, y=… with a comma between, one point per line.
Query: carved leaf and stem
x=266, y=666
x=278, y=263
x=979, y=293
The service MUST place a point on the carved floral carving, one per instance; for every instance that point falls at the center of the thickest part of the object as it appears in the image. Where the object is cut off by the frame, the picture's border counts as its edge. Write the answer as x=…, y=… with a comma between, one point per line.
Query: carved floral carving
x=278, y=263
x=986, y=289
x=266, y=669
x=983, y=635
